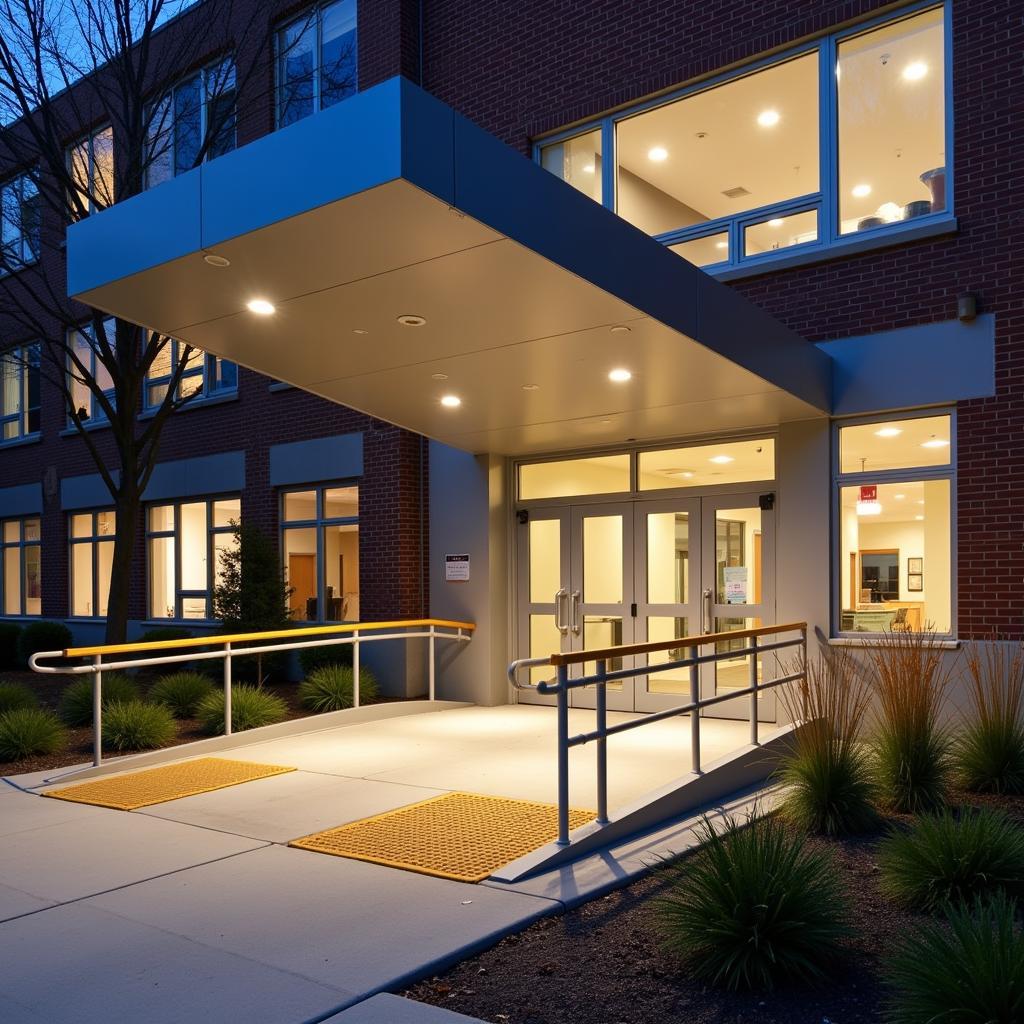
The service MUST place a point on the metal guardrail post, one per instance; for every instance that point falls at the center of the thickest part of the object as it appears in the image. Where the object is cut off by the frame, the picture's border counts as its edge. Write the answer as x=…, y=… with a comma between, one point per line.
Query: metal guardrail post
x=431, y=670
x=753, y=696
x=601, y=707
x=695, y=713
x=356, y=672
x=227, y=689
x=97, y=710
x=563, y=756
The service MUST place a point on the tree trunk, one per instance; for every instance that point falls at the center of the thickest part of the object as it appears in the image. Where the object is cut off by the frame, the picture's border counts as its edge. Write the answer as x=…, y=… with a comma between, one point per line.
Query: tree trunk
x=127, y=508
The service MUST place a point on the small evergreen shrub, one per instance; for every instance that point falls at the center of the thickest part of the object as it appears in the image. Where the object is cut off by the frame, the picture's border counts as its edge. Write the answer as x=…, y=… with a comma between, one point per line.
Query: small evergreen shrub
x=942, y=858
x=181, y=692
x=966, y=970
x=75, y=705
x=15, y=697
x=9, y=634
x=161, y=634
x=133, y=725
x=42, y=636
x=26, y=732
x=754, y=908
x=329, y=688
x=251, y=707
x=312, y=658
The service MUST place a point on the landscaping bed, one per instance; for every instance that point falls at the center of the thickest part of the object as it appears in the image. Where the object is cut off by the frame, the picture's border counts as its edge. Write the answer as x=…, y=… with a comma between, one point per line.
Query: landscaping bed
x=605, y=962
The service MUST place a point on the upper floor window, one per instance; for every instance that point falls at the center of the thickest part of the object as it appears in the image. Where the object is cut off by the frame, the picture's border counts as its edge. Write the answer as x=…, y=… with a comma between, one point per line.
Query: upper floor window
x=316, y=60
x=84, y=346
x=193, y=122
x=19, y=393
x=204, y=375
x=21, y=589
x=756, y=163
x=91, y=164
x=20, y=220
x=92, y=561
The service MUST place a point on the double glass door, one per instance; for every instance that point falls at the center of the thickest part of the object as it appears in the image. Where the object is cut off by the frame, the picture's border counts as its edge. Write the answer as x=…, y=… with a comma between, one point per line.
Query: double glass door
x=602, y=575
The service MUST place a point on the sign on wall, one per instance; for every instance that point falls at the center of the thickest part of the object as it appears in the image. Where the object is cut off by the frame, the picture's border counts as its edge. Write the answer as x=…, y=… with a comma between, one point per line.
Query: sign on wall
x=456, y=568
x=735, y=579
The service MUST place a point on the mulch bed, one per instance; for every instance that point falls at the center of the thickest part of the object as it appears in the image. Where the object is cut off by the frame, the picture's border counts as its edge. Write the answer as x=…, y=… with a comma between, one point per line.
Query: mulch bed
x=603, y=963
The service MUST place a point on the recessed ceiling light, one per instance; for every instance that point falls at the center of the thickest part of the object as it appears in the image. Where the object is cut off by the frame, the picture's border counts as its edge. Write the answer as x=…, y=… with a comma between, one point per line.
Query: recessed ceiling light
x=439, y=376
x=685, y=474
x=915, y=71
x=620, y=329
x=217, y=261
x=658, y=154
x=261, y=307
x=935, y=442
x=588, y=168
x=920, y=519
x=721, y=245
x=620, y=376
x=359, y=330
x=721, y=460
x=451, y=401
x=920, y=501
x=888, y=432
x=768, y=118
x=411, y=320
x=531, y=387
x=899, y=497
x=860, y=191
x=776, y=222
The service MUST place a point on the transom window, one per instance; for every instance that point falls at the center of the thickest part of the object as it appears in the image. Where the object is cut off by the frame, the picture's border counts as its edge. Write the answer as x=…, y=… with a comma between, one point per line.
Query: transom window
x=755, y=164
x=21, y=587
x=91, y=163
x=204, y=375
x=316, y=60
x=84, y=346
x=192, y=123
x=320, y=548
x=895, y=499
x=19, y=393
x=92, y=559
x=184, y=540
x=20, y=220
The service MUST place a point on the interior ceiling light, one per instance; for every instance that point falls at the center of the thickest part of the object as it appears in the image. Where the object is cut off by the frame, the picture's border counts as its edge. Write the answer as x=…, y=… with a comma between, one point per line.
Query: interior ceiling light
x=915, y=71
x=888, y=432
x=935, y=442
x=451, y=401
x=439, y=376
x=899, y=497
x=531, y=387
x=768, y=118
x=860, y=191
x=776, y=222
x=920, y=519
x=620, y=376
x=411, y=320
x=620, y=329
x=869, y=508
x=359, y=330
x=686, y=474
x=657, y=154
x=721, y=245
x=217, y=261
x=721, y=460
x=588, y=168
x=261, y=307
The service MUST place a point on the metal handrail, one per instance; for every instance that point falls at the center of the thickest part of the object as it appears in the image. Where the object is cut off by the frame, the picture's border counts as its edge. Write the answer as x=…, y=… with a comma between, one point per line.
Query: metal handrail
x=563, y=684
x=351, y=633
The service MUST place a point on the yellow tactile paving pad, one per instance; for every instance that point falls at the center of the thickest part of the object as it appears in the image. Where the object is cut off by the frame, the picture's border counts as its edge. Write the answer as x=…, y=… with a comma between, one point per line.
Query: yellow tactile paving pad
x=169, y=782
x=463, y=836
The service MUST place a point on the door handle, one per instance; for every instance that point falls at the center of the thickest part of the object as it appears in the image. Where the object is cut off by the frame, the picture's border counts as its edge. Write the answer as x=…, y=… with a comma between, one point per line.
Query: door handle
x=574, y=614
x=707, y=595
x=562, y=627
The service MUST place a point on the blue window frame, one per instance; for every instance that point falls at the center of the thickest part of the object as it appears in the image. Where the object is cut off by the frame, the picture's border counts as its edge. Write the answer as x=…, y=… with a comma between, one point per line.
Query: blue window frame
x=19, y=393
x=316, y=60
x=842, y=141
x=204, y=375
x=20, y=218
x=83, y=344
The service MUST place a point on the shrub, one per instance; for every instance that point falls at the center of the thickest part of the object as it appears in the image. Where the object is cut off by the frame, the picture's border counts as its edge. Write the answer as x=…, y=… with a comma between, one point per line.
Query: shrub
x=826, y=770
x=989, y=753
x=755, y=907
x=15, y=697
x=181, y=692
x=28, y=731
x=911, y=751
x=42, y=636
x=75, y=705
x=161, y=634
x=9, y=634
x=251, y=707
x=134, y=725
x=967, y=970
x=942, y=858
x=329, y=688
x=312, y=658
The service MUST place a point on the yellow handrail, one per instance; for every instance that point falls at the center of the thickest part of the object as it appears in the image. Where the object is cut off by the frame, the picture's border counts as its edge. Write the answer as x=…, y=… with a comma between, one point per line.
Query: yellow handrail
x=276, y=634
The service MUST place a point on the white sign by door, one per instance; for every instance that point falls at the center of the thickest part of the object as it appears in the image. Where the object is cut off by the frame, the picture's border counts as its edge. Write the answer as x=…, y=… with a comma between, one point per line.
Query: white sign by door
x=456, y=568
x=735, y=584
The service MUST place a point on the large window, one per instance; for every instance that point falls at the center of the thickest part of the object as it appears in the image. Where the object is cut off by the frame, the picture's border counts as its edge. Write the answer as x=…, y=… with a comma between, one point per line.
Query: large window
x=895, y=497
x=21, y=588
x=320, y=547
x=316, y=61
x=755, y=164
x=91, y=162
x=193, y=122
x=92, y=559
x=204, y=375
x=185, y=541
x=84, y=346
x=20, y=219
x=19, y=393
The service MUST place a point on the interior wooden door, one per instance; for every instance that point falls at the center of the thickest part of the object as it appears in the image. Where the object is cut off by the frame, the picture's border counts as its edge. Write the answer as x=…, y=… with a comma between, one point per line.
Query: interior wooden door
x=302, y=580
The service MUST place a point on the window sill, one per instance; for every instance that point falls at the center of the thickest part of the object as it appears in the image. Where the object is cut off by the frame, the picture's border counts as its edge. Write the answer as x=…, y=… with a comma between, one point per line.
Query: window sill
x=19, y=618
x=19, y=442
x=877, y=639
x=849, y=245
x=196, y=403
x=72, y=431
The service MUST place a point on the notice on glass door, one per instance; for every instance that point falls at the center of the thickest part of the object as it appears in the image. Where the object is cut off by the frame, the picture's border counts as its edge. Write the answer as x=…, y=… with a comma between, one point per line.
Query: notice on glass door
x=735, y=579
x=456, y=568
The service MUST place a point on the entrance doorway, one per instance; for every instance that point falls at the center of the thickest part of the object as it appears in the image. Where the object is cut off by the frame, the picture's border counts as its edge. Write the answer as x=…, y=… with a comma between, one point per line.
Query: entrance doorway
x=612, y=573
